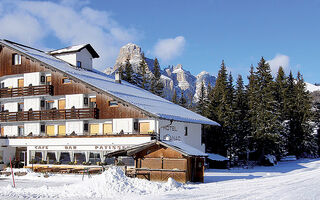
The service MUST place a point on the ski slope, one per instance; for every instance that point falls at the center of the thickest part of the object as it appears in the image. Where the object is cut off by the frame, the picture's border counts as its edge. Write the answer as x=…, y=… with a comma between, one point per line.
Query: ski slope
x=288, y=180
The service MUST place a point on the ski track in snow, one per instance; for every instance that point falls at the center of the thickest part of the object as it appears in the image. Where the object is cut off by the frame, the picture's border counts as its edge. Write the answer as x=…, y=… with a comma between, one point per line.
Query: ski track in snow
x=289, y=180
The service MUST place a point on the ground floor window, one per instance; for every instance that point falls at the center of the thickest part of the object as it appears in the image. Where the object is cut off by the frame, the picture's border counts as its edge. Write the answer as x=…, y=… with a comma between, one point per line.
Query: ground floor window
x=65, y=158
x=79, y=158
x=37, y=157
x=51, y=158
x=94, y=158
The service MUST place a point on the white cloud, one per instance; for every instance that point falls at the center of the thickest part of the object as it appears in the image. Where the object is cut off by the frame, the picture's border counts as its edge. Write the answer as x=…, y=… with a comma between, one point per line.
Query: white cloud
x=277, y=61
x=168, y=49
x=33, y=22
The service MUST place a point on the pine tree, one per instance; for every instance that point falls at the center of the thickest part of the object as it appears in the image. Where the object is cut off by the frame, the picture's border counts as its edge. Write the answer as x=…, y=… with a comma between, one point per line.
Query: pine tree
x=182, y=100
x=174, y=97
x=301, y=142
x=216, y=138
x=241, y=121
x=156, y=86
x=217, y=93
x=202, y=103
x=266, y=126
x=142, y=78
x=280, y=91
x=128, y=72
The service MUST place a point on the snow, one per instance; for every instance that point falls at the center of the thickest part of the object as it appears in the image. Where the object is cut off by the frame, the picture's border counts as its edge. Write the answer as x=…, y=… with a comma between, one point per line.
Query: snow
x=288, y=180
x=68, y=49
x=312, y=88
x=134, y=95
x=185, y=148
x=217, y=157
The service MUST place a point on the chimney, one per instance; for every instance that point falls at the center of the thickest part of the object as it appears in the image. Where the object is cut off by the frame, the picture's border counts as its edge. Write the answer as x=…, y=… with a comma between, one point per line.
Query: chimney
x=117, y=77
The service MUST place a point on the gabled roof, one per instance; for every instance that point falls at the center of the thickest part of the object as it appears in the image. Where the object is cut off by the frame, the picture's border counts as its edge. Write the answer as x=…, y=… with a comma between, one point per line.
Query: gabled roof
x=139, y=98
x=75, y=48
x=178, y=146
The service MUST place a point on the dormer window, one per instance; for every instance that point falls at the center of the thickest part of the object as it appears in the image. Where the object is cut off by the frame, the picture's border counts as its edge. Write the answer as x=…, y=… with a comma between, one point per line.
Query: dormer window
x=79, y=64
x=16, y=59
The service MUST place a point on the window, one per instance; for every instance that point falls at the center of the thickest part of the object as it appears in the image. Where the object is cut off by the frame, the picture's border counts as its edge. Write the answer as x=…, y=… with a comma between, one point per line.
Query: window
x=185, y=131
x=113, y=103
x=16, y=59
x=42, y=79
x=42, y=128
x=20, y=107
x=66, y=81
x=20, y=130
x=49, y=105
x=94, y=158
x=48, y=80
x=85, y=101
x=93, y=102
x=78, y=63
x=86, y=127
x=2, y=85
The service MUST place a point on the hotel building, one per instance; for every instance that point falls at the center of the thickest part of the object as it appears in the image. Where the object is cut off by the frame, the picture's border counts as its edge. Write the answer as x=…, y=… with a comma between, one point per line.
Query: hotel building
x=57, y=109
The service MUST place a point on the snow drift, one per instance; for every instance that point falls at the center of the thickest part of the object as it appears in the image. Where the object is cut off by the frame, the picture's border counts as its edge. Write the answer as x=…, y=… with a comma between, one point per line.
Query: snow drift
x=113, y=183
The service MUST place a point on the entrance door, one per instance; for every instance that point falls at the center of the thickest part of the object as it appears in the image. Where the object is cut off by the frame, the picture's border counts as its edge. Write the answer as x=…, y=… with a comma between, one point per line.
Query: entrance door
x=20, y=83
x=23, y=157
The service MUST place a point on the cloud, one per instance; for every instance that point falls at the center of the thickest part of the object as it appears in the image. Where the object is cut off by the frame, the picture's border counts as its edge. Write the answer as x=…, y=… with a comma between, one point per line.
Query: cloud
x=277, y=61
x=168, y=49
x=34, y=22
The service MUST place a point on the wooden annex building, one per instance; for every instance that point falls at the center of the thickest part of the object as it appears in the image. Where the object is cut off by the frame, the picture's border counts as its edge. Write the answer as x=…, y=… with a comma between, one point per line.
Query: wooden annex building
x=159, y=160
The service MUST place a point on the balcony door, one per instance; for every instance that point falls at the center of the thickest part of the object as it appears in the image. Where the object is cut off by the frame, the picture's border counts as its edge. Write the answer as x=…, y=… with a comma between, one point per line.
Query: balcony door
x=144, y=127
x=50, y=130
x=107, y=129
x=20, y=82
x=61, y=130
x=62, y=104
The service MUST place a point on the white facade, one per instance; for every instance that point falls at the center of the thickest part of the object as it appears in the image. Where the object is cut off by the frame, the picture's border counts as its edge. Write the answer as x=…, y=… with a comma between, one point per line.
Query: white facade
x=189, y=133
x=72, y=57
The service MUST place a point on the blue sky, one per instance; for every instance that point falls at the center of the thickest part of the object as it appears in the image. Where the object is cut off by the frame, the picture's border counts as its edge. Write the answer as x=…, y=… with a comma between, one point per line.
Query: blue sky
x=196, y=34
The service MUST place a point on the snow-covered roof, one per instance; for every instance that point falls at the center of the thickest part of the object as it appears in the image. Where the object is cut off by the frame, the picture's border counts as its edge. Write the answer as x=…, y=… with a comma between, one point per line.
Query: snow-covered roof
x=75, y=48
x=184, y=148
x=178, y=146
x=138, y=97
x=217, y=157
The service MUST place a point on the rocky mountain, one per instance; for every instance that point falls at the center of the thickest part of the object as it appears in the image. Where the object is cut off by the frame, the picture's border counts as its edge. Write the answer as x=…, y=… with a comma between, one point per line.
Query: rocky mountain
x=174, y=78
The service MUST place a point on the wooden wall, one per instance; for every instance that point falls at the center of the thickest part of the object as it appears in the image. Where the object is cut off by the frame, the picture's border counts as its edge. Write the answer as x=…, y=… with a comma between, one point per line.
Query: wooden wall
x=30, y=65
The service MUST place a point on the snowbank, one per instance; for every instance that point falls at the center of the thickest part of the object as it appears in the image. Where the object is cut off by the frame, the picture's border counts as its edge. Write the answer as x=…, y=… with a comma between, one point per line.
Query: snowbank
x=113, y=183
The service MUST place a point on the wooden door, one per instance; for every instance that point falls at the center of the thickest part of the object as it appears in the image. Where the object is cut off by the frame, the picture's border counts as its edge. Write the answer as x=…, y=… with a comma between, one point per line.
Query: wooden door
x=20, y=82
x=2, y=131
x=144, y=127
x=50, y=130
x=62, y=130
x=61, y=104
x=107, y=129
x=94, y=129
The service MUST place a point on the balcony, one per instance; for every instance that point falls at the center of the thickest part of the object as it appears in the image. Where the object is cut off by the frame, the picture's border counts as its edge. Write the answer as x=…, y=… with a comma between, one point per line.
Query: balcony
x=26, y=91
x=54, y=114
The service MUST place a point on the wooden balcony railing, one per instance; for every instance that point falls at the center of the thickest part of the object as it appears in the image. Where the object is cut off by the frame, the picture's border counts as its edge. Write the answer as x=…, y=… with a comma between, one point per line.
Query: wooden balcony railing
x=53, y=114
x=26, y=91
